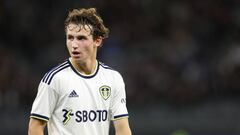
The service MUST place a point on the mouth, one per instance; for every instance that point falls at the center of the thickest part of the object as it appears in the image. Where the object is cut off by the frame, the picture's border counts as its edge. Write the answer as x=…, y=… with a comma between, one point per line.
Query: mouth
x=75, y=54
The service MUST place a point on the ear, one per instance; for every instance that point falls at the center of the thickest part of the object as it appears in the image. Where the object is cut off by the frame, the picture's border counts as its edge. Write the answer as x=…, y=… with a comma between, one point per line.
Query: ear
x=98, y=41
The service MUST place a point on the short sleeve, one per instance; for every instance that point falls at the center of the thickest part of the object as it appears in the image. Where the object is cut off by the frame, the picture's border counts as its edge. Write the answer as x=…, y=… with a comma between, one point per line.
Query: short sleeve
x=44, y=102
x=118, y=105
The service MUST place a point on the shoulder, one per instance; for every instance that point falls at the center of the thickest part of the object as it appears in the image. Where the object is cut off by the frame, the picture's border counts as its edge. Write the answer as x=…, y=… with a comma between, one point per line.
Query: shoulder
x=103, y=65
x=110, y=71
x=55, y=71
x=107, y=68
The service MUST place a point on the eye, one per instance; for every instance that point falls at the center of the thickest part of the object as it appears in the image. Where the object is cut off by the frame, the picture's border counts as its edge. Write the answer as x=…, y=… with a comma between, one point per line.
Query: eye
x=70, y=37
x=81, y=37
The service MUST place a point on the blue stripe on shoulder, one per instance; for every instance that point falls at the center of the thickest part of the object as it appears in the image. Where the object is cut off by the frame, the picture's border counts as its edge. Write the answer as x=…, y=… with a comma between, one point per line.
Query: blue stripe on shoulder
x=46, y=76
x=105, y=66
x=49, y=75
x=49, y=81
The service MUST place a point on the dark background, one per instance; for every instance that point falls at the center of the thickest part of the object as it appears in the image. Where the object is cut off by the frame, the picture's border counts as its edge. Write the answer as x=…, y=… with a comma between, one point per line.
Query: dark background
x=180, y=61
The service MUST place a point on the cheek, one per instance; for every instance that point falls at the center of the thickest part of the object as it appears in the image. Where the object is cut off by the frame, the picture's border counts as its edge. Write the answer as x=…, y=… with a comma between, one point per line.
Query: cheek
x=68, y=44
x=86, y=45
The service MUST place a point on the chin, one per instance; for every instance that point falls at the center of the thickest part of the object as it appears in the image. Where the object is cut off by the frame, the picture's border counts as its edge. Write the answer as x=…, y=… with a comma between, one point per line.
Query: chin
x=77, y=59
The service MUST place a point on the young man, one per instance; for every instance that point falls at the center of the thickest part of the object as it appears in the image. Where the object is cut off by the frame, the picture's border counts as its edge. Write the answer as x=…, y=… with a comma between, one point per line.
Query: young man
x=82, y=95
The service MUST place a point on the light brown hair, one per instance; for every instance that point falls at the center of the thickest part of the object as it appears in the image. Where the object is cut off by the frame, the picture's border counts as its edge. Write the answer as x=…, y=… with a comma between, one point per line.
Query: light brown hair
x=88, y=17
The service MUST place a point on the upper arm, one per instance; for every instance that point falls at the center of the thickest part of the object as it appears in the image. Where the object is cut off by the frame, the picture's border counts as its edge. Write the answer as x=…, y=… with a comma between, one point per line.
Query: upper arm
x=44, y=103
x=118, y=101
x=122, y=127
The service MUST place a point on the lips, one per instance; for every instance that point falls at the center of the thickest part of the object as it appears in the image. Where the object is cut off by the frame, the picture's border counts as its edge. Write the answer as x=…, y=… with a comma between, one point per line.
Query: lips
x=75, y=54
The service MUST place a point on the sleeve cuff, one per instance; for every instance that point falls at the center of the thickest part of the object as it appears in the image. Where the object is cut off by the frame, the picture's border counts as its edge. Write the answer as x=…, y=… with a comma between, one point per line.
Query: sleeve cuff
x=40, y=117
x=117, y=117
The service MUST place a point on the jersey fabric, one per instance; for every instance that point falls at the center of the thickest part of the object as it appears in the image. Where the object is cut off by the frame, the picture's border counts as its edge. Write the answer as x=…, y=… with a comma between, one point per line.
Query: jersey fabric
x=74, y=104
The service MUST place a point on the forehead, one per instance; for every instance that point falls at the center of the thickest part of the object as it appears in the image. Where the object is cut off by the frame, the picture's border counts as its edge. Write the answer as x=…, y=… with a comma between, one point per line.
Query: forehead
x=79, y=29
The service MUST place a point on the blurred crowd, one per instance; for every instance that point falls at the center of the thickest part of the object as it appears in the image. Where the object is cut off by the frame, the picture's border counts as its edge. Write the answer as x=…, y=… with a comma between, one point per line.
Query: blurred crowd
x=168, y=51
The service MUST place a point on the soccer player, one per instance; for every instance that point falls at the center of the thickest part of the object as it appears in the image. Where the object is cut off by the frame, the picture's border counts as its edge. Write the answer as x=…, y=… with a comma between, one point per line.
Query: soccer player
x=81, y=95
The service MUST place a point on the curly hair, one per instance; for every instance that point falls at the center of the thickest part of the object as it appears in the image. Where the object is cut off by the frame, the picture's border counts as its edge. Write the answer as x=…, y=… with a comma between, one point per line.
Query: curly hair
x=90, y=18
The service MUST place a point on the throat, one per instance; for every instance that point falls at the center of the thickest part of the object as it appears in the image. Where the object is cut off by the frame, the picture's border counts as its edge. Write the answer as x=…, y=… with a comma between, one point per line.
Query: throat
x=85, y=68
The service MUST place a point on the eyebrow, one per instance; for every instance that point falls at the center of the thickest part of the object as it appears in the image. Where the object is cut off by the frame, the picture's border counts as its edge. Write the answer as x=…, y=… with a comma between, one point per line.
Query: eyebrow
x=81, y=36
x=78, y=36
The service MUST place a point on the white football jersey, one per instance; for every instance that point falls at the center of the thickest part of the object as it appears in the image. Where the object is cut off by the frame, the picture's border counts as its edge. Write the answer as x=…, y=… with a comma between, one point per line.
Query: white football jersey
x=76, y=104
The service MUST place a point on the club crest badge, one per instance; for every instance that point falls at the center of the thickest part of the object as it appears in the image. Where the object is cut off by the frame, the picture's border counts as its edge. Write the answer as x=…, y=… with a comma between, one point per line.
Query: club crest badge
x=105, y=92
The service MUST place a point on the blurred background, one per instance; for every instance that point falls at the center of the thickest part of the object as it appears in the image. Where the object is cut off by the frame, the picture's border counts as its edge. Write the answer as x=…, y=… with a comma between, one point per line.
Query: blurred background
x=180, y=61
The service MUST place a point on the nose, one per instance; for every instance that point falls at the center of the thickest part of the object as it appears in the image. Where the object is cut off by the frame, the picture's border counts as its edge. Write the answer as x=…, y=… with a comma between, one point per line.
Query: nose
x=74, y=44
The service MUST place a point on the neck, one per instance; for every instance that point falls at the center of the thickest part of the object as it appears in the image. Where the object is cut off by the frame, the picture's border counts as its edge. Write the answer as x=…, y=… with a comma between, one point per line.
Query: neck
x=85, y=68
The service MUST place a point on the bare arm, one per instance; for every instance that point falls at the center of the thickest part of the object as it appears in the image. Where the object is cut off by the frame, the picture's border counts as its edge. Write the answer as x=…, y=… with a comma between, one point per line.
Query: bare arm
x=36, y=127
x=122, y=127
